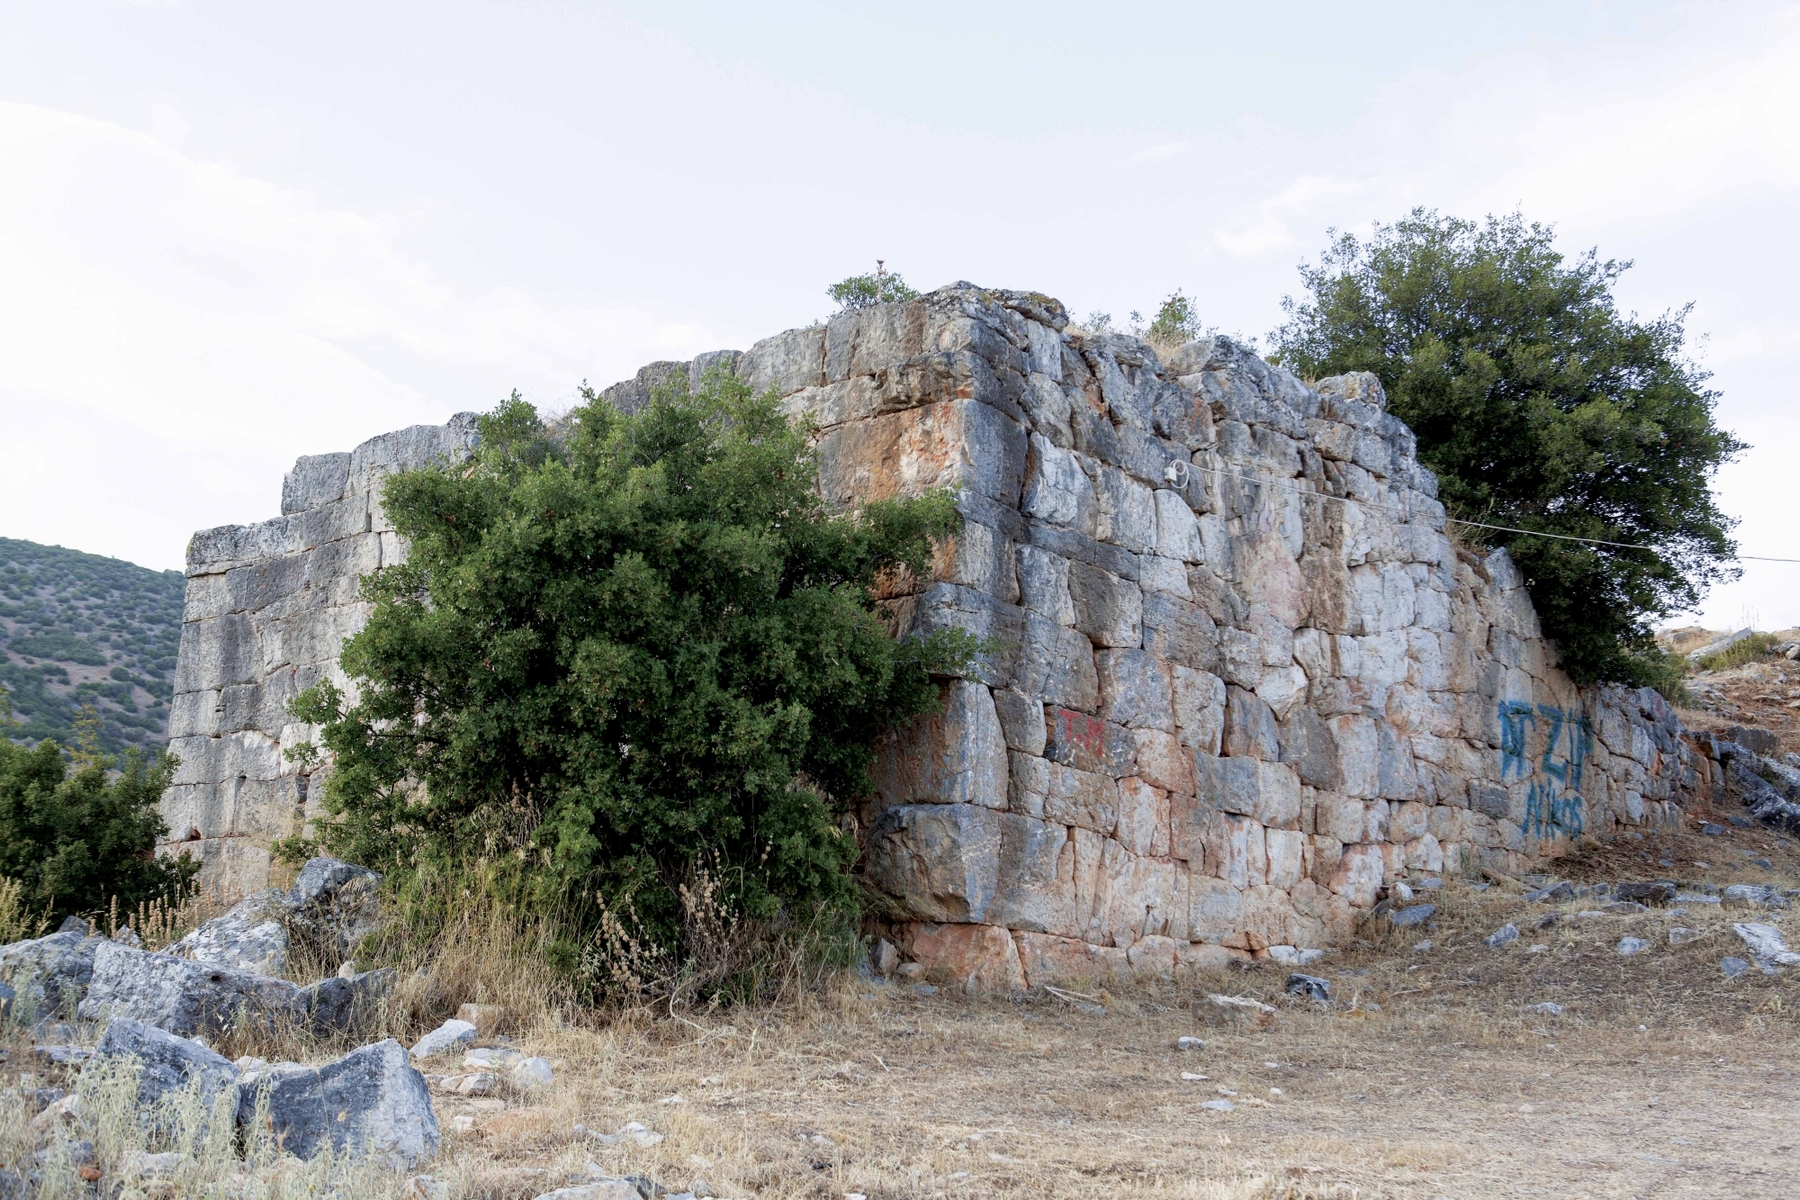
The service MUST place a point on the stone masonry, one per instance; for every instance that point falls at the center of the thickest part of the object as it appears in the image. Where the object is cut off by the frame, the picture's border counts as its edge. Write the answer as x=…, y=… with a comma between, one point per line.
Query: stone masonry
x=268, y=609
x=1240, y=678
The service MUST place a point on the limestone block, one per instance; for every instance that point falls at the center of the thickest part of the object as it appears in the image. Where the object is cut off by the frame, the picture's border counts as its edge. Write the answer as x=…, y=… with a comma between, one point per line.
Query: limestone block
x=1282, y=689
x=1308, y=746
x=1057, y=664
x=1322, y=855
x=1240, y=657
x=981, y=958
x=1359, y=754
x=1021, y=721
x=954, y=756
x=1376, y=817
x=1199, y=701
x=1408, y=821
x=1398, y=778
x=1087, y=743
x=1027, y=783
x=1107, y=608
x=1143, y=826
x=1137, y=898
x=1158, y=574
x=1180, y=632
x=941, y=861
x=1044, y=584
x=1285, y=849
x=1340, y=817
x=1127, y=513
x=1083, y=798
x=979, y=557
x=1268, y=574
x=215, y=653
x=1177, y=529
x=1161, y=760
x=1277, y=795
x=1250, y=730
x=786, y=362
x=1134, y=690
x=907, y=453
x=1359, y=875
x=1053, y=960
x=1036, y=883
x=1229, y=785
x=1244, y=852
x=1215, y=909
x=1057, y=490
x=1426, y=854
x=1154, y=954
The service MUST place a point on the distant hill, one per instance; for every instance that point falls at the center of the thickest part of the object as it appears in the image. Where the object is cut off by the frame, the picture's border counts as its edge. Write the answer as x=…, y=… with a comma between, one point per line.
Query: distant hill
x=78, y=629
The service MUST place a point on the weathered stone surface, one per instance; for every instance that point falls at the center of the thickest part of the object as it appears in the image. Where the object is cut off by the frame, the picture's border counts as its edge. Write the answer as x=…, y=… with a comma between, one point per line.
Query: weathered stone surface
x=1136, y=537
x=370, y=1102
x=954, y=756
x=941, y=861
x=250, y=937
x=182, y=997
x=51, y=974
x=978, y=957
x=168, y=1064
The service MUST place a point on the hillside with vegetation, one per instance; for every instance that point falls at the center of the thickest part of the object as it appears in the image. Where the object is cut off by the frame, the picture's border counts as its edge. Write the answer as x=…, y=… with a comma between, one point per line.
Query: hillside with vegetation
x=80, y=631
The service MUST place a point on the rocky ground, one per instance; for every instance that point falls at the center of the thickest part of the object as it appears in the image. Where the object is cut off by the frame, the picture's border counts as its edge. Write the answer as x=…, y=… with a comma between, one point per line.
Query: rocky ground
x=1549, y=1061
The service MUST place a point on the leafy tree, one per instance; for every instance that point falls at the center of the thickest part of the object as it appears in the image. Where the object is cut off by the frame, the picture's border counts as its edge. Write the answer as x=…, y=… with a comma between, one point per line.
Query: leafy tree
x=866, y=291
x=76, y=838
x=1541, y=406
x=623, y=653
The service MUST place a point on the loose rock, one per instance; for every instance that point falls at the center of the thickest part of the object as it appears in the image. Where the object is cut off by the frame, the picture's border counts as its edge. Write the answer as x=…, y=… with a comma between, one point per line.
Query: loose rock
x=531, y=1074
x=451, y=1035
x=180, y=996
x=1411, y=915
x=1632, y=945
x=1766, y=944
x=1733, y=966
x=51, y=973
x=1240, y=1010
x=1189, y=1043
x=1548, y=1008
x=167, y=1063
x=1310, y=986
x=370, y=1101
x=1501, y=936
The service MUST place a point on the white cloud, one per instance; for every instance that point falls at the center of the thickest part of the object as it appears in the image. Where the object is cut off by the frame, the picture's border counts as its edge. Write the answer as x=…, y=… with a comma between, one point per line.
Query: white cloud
x=1269, y=225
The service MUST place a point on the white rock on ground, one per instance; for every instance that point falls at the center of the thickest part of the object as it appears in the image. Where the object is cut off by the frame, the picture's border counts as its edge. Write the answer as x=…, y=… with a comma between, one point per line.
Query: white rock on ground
x=1766, y=943
x=1633, y=945
x=599, y=1189
x=451, y=1035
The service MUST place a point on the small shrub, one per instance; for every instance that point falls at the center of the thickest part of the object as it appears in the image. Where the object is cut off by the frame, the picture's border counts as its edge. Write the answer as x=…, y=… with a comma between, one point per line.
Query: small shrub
x=866, y=291
x=1175, y=323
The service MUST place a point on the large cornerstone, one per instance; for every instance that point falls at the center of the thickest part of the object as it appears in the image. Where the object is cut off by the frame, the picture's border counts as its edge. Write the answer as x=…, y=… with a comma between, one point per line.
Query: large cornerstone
x=1239, y=677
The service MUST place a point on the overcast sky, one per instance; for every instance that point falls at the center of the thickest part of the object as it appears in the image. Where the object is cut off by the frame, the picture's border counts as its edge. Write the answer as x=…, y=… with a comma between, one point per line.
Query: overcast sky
x=231, y=234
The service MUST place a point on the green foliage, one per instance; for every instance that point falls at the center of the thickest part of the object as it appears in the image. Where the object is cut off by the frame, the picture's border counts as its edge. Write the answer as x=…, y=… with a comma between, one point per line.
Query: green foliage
x=1540, y=406
x=77, y=837
x=1176, y=322
x=62, y=609
x=1752, y=649
x=613, y=659
x=866, y=291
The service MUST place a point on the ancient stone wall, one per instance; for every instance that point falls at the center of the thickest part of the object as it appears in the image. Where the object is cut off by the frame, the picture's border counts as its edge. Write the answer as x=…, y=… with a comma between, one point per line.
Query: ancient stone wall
x=1239, y=678
x=268, y=609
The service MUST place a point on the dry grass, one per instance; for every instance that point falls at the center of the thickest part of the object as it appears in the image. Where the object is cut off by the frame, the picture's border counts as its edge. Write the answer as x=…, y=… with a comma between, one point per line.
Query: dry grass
x=1429, y=1076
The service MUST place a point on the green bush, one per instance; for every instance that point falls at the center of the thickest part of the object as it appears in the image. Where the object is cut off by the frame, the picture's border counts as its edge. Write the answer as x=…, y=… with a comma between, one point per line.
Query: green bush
x=77, y=839
x=622, y=660
x=866, y=291
x=1176, y=322
x=1541, y=407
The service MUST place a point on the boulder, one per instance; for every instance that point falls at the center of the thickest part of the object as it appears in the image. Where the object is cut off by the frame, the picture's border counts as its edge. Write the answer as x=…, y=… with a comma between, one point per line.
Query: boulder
x=1239, y=1010
x=181, y=996
x=370, y=1102
x=343, y=1003
x=333, y=905
x=1655, y=891
x=251, y=937
x=51, y=973
x=167, y=1063
x=1309, y=986
x=1766, y=944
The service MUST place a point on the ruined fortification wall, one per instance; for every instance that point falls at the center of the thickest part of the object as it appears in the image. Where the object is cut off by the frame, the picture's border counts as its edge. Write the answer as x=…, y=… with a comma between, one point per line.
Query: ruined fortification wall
x=268, y=608
x=1240, y=678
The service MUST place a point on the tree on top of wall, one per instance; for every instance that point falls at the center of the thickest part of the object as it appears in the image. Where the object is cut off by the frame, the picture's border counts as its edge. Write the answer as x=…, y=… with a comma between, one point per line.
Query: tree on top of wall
x=1542, y=407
